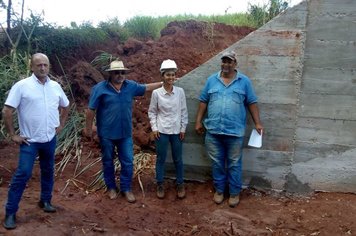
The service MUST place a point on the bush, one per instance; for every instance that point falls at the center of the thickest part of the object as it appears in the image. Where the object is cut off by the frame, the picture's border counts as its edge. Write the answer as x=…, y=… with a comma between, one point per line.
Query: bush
x=66, y=41
x=56, y=41
x=114, y=29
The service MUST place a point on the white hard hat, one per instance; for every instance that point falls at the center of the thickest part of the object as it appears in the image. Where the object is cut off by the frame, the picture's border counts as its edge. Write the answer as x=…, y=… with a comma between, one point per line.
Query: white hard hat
x=168, y=65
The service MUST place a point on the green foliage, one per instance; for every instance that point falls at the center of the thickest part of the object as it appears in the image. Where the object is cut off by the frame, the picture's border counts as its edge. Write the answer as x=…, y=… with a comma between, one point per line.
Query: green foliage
x=66, y=41
x=146, y=27
x=238, y=19
x=10, y=73
x=63, y=42
x=114, y=29
x=276, y=7
x=103, y=60
x=53, y=40
x=260, y=15
x=12, y=69
x=142, y=27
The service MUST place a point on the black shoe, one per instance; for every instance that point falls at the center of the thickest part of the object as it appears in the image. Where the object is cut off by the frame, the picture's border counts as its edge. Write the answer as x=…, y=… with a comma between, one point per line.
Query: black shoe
x=47, y=207
x=10, y=221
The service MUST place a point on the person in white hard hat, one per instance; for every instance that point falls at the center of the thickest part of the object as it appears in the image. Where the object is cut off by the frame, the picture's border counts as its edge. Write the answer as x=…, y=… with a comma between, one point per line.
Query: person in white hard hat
x=111, y=101
x=168, y=118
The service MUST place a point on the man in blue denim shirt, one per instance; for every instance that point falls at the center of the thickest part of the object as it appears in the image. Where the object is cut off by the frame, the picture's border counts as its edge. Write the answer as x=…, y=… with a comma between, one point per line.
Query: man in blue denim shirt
x=225, y=97
x=112, y=100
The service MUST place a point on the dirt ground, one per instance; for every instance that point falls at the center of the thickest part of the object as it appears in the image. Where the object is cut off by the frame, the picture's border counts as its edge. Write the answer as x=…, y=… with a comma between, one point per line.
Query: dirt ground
x=92, y=213
x=259, y=213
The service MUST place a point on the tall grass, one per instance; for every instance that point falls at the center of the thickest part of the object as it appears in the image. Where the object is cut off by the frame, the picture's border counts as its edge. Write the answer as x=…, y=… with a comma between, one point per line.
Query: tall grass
x=144, y=27
x=12, y=69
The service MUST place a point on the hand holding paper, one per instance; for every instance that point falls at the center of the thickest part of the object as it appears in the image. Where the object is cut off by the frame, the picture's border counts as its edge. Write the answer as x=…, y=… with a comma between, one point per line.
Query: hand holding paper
x=255, y=139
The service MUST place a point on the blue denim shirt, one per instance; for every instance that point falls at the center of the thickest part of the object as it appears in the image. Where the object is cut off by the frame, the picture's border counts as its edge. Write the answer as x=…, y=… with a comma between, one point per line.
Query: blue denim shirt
x=227, y=105
x=114, y=109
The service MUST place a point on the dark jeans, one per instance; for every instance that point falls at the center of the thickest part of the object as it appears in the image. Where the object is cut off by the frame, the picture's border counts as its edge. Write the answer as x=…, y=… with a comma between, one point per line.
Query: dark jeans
x=125, y=152
x=226, y=153
x=23, y=173
x=161, y=150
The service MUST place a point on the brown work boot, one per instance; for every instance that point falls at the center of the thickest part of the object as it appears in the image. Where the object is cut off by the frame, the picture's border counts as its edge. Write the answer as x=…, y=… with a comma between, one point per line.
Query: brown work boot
x=234, y=200
x=218, y=197
x=112, y=193
x=160, y=191
x=129, y=197
x=180, y=191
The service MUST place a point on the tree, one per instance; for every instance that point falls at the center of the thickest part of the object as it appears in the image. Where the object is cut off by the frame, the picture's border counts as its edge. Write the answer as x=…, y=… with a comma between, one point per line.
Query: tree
x=13, y=43
x=262, y=14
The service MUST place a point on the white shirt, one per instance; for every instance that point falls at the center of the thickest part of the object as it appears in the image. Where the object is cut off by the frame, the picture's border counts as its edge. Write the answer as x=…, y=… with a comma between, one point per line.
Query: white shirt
x=37, y=107
x=168, y=111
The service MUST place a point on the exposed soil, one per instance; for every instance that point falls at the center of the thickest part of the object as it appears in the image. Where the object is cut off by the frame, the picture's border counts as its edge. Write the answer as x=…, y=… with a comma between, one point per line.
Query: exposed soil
x=91, y=213
x=189, y=43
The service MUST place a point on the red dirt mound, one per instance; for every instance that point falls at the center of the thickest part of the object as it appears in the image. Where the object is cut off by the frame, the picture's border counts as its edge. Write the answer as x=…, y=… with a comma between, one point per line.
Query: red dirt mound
x=189, y=43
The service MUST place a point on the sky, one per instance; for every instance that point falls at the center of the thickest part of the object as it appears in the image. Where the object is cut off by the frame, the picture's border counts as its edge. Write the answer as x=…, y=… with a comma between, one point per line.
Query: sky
x=63, y=12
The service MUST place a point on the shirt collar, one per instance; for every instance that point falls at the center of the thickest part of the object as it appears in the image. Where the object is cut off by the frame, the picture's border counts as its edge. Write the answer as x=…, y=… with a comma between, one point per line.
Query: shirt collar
x=107, y=82
x=164, y=91
x=237, y=76
x=37, y=80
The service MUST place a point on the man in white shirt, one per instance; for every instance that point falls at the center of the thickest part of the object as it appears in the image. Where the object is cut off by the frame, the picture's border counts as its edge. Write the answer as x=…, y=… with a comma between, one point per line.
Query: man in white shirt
x=38, y=101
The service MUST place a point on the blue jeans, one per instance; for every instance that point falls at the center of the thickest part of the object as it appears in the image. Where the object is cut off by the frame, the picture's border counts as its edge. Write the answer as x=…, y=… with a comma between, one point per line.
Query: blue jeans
x=161, y=150
x=23, y=173
x=226, y=154
x=125, y=154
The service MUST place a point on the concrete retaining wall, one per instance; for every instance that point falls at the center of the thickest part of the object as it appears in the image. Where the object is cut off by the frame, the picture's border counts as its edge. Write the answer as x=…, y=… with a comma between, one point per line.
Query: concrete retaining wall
x=302, y=64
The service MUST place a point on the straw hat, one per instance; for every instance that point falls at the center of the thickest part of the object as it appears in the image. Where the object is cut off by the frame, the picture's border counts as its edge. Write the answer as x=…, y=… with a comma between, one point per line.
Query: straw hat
x=117, y=65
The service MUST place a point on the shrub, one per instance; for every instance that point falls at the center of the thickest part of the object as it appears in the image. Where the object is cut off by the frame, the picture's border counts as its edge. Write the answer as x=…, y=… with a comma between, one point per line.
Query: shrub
x=114, y=29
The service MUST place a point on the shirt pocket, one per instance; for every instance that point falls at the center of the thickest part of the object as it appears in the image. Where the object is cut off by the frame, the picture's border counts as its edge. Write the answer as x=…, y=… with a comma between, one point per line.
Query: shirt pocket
x=238, y=96
x=213, y=95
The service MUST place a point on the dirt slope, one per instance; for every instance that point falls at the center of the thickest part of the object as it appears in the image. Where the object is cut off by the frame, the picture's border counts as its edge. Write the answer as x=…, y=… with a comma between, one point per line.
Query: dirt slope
x=189, y=43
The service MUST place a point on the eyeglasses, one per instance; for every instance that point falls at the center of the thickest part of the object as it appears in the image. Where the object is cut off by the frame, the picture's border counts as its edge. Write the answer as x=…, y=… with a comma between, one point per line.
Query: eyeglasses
x=119, y=72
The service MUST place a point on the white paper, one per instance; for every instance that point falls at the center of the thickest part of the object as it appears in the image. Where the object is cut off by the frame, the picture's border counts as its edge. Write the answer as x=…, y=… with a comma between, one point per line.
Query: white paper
x=255, y=139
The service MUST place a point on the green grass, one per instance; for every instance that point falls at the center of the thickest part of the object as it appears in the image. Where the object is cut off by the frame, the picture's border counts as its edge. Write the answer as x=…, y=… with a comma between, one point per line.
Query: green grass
x=145, y=27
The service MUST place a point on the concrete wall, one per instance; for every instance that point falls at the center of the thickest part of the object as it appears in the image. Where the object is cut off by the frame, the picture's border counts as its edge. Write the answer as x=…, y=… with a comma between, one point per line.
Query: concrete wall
x=325, y=145
x=302, y=64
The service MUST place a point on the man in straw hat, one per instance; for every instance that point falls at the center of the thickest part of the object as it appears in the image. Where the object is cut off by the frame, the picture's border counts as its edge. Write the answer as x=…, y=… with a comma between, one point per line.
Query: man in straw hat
x=111, y=100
